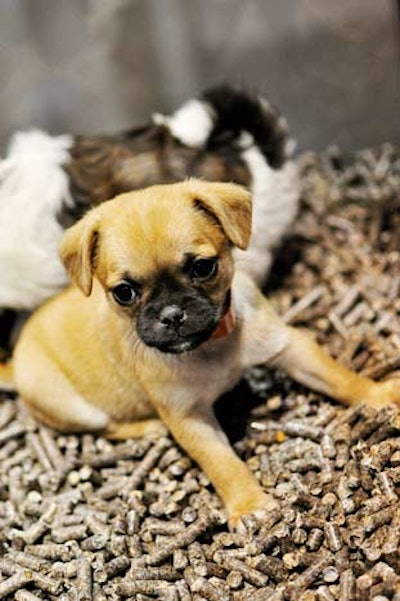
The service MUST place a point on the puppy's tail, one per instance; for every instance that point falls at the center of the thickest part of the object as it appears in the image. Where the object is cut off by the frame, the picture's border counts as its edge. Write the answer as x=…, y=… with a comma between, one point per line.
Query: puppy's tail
x=6, y=377
x=228, y=115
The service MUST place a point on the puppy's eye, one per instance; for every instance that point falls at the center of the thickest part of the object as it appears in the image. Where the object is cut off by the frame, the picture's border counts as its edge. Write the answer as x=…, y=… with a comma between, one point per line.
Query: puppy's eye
x=204, y=269
x=125, y=294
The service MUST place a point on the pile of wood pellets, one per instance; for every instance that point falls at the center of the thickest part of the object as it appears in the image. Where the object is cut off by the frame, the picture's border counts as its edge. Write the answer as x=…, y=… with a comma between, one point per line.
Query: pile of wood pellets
x=82, y=518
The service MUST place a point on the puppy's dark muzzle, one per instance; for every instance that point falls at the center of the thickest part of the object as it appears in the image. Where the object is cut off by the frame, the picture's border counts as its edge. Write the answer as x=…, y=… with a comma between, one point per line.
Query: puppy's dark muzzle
x=172, y=317
x=174, y=329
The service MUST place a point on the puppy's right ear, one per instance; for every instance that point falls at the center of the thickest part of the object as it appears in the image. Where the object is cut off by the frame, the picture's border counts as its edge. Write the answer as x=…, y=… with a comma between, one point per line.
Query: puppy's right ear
x=78, y=249
x=229, y=204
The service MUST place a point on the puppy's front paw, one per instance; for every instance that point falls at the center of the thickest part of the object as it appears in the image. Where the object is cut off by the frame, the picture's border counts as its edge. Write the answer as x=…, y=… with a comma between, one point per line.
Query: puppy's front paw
x=258, y=505
x=383, y=393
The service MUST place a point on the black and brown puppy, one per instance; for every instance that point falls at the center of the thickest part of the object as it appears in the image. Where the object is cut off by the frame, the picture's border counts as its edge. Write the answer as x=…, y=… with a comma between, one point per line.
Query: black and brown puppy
x=160, y=323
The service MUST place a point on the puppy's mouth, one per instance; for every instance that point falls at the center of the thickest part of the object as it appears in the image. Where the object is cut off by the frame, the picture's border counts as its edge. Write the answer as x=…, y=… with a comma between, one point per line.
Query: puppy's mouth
x=175, y=336
x=180, y=343
x=183, y=346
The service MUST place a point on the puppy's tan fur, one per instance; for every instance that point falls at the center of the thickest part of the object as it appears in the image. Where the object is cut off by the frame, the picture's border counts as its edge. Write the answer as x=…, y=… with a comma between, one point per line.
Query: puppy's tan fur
x=81, y=365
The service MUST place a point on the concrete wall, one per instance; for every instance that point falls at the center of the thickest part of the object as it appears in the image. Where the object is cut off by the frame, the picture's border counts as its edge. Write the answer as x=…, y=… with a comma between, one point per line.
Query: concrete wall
x=103, y=65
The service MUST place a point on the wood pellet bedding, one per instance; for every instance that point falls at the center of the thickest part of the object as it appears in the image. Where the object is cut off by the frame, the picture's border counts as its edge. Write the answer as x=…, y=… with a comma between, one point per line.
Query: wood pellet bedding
x=82, y=518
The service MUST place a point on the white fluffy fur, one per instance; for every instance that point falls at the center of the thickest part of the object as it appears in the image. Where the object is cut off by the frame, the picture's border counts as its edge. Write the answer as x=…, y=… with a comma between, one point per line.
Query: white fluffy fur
x=33, y=188
x=275, y=196
x=191, y=124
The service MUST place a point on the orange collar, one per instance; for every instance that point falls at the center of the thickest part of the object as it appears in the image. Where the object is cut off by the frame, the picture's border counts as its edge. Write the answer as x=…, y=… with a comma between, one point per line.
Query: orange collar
x=225, y=326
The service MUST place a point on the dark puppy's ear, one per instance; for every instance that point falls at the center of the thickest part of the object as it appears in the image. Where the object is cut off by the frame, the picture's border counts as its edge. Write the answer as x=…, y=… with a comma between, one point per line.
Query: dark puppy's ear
x=230, y=204
x=77, y=250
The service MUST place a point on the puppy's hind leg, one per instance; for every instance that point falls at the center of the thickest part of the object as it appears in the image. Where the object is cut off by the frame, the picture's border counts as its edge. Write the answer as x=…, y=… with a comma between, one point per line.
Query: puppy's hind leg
x=124, y=430
x=50, y=396
x=309, y=364
x=6, y=377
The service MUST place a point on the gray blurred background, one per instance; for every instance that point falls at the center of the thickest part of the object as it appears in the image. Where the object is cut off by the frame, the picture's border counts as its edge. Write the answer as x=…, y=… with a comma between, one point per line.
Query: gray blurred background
x=104, y=65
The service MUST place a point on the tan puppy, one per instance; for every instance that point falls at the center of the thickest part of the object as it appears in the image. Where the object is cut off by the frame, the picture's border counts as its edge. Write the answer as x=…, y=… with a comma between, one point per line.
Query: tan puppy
x=159, y=324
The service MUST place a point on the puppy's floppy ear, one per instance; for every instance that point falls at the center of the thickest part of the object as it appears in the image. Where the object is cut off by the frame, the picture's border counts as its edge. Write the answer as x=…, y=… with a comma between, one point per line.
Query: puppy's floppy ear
x=77, y=250
x=230, y=204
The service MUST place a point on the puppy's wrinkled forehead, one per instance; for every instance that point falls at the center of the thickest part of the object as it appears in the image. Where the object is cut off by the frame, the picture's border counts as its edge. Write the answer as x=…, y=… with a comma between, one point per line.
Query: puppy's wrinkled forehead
x=138, y=233
x=151, y=232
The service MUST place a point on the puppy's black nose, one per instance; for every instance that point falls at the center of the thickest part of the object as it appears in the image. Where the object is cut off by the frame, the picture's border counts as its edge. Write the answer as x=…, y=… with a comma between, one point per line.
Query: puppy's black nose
x=172, y=316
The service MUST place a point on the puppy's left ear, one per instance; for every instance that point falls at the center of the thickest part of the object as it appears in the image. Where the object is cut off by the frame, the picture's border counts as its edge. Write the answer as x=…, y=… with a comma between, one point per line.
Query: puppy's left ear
x=77, y=250
x=230, y=204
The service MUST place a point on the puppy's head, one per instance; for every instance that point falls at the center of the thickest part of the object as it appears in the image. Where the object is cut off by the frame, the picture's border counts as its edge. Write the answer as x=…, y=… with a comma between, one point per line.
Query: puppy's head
x=163, y=257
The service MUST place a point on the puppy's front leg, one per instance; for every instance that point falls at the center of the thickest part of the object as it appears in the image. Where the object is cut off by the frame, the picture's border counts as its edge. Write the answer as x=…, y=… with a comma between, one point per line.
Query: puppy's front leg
x=309, y=364
x=199, y=433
